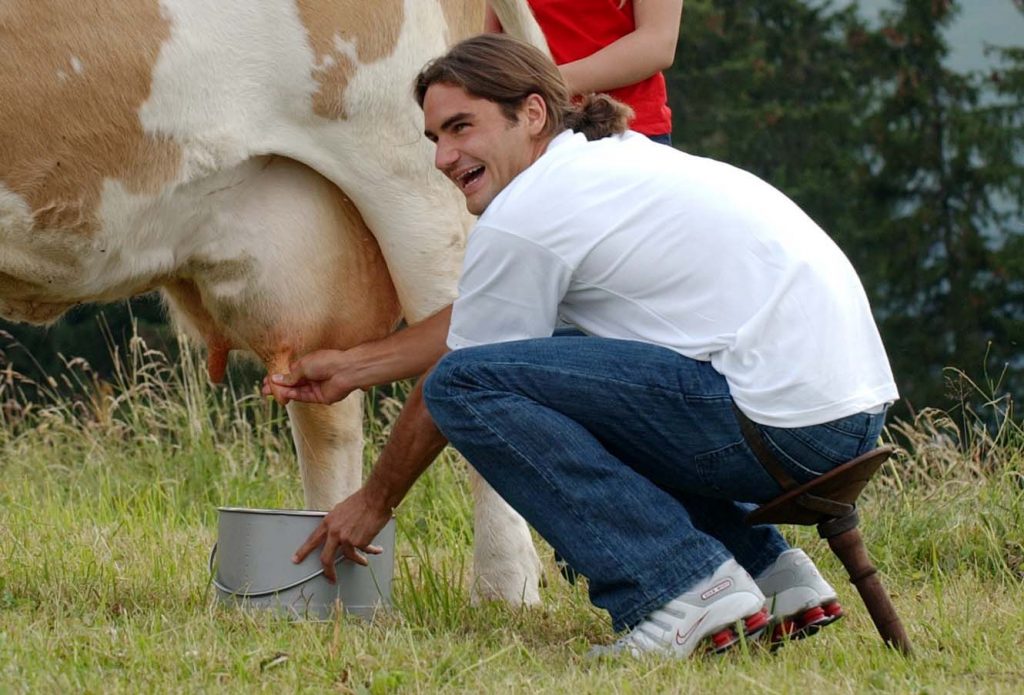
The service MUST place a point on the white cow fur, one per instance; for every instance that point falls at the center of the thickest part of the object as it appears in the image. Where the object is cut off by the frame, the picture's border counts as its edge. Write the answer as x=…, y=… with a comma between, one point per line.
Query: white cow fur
x=260, y=222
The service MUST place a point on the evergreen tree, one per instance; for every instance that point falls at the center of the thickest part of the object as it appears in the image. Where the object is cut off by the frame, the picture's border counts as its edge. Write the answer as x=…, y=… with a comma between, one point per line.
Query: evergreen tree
x=945, y=154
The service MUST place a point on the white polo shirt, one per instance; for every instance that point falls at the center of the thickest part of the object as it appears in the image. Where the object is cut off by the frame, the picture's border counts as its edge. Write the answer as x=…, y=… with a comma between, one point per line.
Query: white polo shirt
x=625, y=238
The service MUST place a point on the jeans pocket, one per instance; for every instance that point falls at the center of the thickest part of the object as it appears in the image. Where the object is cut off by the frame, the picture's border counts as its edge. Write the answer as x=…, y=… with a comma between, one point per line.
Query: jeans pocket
x=733, y=472
x=807, y=452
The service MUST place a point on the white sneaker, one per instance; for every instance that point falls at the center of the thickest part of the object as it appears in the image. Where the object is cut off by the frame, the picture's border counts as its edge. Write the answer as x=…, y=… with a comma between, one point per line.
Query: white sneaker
x=704, y=616
x=800, y=601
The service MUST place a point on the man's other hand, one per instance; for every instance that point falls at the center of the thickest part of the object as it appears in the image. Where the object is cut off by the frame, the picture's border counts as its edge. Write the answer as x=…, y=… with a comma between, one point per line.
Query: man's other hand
x=347, y=529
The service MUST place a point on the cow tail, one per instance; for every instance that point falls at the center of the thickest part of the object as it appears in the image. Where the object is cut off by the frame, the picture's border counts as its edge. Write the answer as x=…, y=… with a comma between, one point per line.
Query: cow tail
x=517, y=20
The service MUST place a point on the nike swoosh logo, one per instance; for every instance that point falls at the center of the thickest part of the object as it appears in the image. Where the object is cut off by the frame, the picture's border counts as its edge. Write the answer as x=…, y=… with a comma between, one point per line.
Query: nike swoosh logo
x=681, y=637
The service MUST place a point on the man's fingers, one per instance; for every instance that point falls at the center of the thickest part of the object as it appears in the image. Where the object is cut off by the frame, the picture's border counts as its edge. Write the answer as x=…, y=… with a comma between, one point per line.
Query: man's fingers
x=306, y=393
x=327, y=559
x=329, y=556
x=355, y=556
x=315, y=539
x=279, y=393
x=290, y=379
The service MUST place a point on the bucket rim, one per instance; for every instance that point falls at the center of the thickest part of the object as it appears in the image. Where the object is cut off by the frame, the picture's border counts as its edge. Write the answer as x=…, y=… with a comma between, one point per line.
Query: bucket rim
x=273, y=512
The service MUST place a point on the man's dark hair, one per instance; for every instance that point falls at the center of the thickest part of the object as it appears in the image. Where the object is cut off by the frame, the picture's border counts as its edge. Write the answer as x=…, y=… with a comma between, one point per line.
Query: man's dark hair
x=506, y=71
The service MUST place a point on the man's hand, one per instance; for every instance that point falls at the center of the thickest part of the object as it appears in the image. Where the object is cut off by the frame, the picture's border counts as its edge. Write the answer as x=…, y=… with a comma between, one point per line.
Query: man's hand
x=348, y=527
x=319, y=377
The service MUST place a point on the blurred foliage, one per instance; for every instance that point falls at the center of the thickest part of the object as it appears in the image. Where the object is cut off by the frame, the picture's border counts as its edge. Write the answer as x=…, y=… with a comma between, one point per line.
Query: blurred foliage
x=97, y=333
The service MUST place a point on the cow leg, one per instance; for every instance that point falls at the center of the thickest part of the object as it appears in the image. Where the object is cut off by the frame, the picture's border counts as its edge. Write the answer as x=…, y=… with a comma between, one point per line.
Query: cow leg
x=329, y=445
x=292, y=268
x=505, y=563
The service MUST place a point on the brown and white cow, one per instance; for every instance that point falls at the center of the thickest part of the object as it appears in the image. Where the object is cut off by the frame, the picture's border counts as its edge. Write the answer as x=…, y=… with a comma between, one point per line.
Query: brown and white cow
x=260, y=161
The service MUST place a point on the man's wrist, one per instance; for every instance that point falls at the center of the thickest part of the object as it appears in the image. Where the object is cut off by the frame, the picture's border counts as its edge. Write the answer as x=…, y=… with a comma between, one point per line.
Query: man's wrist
x=369, y=365
x=382, y=497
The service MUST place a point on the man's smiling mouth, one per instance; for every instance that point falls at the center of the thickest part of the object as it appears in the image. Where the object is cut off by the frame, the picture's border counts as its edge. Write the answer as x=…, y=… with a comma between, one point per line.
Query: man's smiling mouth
x=469, y=176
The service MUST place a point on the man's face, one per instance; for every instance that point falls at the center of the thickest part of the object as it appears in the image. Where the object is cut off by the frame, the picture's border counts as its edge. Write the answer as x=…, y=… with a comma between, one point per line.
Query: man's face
x=478, y=148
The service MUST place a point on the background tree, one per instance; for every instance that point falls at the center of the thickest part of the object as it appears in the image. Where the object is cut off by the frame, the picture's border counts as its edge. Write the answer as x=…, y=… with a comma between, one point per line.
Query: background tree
x=945, y=155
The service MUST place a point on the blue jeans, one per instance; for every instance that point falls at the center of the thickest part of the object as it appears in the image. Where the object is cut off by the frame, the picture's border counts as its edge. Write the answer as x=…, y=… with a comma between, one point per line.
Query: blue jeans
x=627, y=458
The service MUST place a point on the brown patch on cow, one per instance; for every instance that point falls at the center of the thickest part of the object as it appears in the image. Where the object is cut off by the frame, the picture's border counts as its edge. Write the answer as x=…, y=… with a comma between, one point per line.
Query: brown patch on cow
x=464, y=19
x=75, y=76
x=369, y=29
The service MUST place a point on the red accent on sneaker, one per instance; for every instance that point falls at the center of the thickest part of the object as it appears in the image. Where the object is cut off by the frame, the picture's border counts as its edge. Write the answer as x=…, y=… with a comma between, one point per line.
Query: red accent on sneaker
x=723, y=639
x=755, y=623
x=812, y=616
x=807, y=624
x=833, y=610
x=783, y=631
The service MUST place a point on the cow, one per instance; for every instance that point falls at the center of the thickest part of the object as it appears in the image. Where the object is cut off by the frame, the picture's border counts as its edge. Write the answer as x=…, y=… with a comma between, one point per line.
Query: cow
x=262, y=164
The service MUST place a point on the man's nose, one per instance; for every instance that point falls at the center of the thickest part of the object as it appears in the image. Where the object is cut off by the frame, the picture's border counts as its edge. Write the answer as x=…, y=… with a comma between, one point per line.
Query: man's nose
x=445, y=156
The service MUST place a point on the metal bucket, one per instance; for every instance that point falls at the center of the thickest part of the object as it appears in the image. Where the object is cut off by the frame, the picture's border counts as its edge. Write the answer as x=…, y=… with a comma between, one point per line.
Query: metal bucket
x=254, y=568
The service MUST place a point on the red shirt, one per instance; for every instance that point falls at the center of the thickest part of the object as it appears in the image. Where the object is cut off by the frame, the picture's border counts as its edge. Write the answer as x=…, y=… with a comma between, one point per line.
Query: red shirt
x=577, y=28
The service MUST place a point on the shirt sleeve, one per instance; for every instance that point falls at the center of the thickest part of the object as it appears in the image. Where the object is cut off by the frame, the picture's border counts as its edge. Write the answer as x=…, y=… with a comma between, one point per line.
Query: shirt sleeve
x=510, y=289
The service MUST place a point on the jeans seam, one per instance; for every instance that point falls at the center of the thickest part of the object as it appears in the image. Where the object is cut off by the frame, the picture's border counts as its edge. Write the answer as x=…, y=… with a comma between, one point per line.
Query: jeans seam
x=706, y=398
x=784, y=457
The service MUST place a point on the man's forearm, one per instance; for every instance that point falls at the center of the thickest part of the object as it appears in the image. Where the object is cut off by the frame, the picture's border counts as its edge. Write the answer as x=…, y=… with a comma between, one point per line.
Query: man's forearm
x=414, y=444
x=406, y=353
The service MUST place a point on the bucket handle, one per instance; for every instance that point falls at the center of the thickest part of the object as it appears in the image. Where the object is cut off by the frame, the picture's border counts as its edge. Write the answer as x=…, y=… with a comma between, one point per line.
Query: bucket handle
x=267, y=592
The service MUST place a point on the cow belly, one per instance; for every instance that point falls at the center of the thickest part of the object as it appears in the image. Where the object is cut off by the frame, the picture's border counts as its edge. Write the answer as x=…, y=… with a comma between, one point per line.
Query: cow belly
x=287, y=266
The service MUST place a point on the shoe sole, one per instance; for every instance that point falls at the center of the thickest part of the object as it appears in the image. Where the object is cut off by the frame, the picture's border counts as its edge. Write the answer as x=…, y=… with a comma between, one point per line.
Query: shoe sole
x=754, y=626
x=800, y=626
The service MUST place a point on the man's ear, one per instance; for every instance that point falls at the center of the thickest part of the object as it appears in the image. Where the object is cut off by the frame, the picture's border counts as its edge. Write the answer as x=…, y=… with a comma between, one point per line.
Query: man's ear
x=535, y=113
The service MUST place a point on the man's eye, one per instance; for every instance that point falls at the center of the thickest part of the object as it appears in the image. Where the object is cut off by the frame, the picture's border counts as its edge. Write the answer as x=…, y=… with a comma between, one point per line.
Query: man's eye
x=459, y=127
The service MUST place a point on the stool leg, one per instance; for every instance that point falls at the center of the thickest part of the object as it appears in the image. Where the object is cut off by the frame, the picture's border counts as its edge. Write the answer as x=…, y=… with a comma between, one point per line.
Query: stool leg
x=849, y=548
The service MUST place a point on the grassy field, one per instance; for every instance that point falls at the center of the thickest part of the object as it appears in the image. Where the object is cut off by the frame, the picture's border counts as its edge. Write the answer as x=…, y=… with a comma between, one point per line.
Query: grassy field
x=108, y=511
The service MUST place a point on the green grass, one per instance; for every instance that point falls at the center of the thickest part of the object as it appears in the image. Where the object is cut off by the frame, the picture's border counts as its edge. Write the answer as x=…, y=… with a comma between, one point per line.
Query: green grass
x=108, y=511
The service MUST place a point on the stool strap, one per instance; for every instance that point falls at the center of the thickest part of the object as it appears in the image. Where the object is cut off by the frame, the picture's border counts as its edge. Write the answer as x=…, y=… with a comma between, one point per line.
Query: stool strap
x=823, y=505
x=755, y=440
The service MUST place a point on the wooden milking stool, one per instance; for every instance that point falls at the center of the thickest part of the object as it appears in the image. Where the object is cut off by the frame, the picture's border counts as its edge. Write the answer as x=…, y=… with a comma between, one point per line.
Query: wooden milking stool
x=830, y=502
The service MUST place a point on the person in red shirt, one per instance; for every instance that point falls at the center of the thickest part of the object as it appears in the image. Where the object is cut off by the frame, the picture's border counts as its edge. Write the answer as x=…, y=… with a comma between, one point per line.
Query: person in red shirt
x=618, y=47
